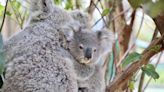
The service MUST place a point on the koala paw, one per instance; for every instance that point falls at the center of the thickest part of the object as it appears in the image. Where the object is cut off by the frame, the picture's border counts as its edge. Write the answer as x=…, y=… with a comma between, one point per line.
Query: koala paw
x=83, y=89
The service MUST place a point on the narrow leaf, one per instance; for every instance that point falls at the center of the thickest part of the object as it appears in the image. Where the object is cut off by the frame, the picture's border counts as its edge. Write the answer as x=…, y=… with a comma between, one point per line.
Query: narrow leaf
x=150, y=71
x=131, y=85
x=132, y=57
x=135, y=3
x=105, y=12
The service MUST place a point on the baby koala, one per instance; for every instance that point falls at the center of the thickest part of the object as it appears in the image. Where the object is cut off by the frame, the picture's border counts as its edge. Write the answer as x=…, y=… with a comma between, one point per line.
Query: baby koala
x=88, y=47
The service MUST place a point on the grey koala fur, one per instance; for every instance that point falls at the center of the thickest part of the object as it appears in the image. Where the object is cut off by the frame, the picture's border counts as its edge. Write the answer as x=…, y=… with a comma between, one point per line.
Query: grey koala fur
x=36, y=62
x=87, y=48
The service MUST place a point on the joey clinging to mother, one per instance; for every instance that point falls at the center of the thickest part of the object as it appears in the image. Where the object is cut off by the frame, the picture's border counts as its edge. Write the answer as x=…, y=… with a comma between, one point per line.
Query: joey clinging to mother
x=87, y=47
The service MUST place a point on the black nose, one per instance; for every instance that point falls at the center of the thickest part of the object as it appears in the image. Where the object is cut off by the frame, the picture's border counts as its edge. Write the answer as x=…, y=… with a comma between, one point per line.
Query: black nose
x=88, y=53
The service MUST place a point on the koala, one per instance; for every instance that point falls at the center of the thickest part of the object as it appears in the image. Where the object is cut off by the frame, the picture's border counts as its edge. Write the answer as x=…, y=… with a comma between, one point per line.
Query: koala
x=39, y=60
x=35, y=59
x=88, y=47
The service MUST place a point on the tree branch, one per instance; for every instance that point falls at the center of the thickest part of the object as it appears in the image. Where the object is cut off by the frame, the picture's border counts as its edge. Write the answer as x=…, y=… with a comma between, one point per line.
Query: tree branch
x=4, y=16
x=123, y=77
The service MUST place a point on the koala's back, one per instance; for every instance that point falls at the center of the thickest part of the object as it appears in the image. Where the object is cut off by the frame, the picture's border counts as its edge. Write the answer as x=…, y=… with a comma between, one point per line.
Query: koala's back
x=37, y=63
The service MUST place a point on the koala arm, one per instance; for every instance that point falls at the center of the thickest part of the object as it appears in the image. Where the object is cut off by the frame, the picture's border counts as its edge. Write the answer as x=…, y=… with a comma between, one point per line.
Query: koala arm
x=95, y=83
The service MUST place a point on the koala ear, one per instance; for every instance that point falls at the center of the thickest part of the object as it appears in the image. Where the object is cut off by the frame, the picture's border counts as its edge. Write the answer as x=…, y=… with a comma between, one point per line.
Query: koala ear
x=106, y=39
x=68, y=33
x=105, y=34
x=41, y=8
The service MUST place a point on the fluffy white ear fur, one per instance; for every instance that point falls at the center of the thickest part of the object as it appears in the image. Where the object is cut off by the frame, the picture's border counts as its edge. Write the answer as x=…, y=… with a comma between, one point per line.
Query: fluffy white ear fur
x=107, y=39
x=68, y=33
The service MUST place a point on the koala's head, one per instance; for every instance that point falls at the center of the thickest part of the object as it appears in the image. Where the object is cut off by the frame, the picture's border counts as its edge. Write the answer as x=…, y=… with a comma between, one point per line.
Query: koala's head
x=87, y=47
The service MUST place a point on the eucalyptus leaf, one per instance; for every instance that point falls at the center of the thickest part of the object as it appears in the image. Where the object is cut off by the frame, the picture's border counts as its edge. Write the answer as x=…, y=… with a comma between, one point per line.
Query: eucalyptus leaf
x=8, y=13
x=131, y=85
x=154, y=8
x=150, y=71
x=135, y=3
x=105, y=12
x=58, y=2
x=132, y=57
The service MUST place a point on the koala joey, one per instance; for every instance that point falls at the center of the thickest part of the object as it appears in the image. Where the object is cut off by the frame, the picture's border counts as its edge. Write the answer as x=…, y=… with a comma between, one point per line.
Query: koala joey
x=87, y=47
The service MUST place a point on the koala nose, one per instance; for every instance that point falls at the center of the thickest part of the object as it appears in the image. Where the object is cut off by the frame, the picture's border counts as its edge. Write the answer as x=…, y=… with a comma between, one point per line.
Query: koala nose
x=88, y=53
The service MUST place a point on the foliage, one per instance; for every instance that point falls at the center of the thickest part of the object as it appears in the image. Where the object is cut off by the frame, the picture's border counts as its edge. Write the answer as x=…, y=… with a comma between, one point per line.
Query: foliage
x=152, y=8
x=132, y=57
x=149, y=69
x=1, y=9
x=105, y=12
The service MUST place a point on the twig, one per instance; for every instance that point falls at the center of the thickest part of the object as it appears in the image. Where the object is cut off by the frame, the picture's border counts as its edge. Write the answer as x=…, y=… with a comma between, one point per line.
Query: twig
x=96, y=22
x=123, y=77
x=143, y=74
x=101, y=4
x=91, y=7
x=120, y=61
x=102, y=17
x=121, y=13
x=126, y=39
x=4, y=16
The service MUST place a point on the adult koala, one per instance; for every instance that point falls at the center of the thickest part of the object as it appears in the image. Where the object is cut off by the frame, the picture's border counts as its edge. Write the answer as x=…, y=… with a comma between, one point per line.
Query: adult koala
x=36, y=62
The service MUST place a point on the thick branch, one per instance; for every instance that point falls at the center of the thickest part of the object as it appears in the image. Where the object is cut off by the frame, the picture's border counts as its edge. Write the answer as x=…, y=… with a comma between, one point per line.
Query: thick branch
x=123, y=77
x=159, y=21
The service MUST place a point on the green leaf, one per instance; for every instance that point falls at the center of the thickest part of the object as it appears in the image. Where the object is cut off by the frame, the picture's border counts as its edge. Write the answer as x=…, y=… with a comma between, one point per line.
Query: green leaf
x=8, y=13
x=1, y=9
x=154, y=8
x=149, y=70
x=105, y=12
x=131, y=85
x=58, y=2
x=132, y=57
x=69, y=4
x=2, y=57
x=135, y=3
x=156, y=48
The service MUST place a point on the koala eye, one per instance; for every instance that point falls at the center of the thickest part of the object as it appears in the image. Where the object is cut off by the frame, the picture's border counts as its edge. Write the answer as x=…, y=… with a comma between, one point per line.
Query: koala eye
x=81, y=46
x=94, y=50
